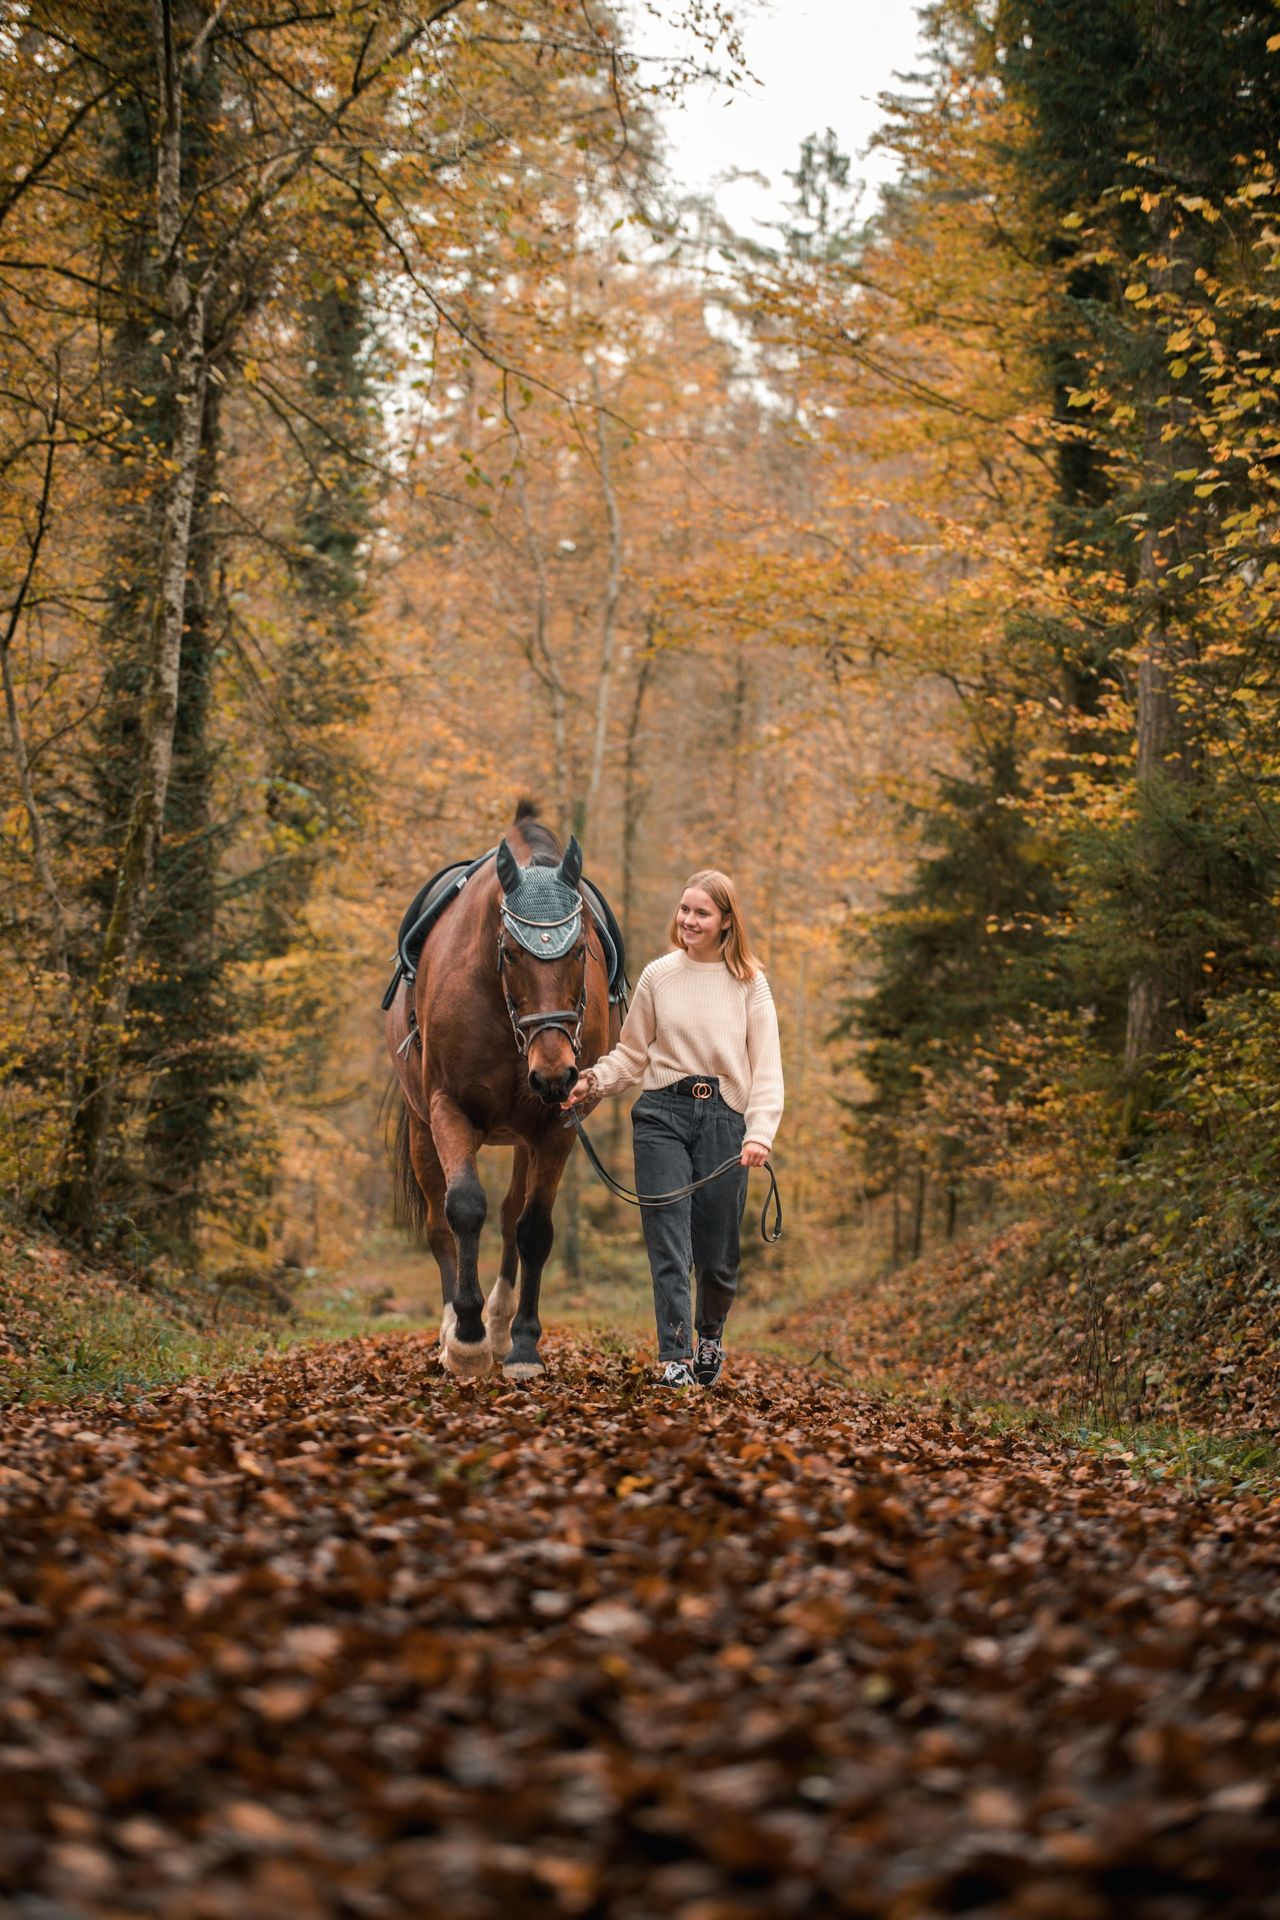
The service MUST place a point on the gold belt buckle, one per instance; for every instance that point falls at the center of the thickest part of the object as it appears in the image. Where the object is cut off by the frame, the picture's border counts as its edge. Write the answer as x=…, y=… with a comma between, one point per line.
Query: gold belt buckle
x=702, y=1090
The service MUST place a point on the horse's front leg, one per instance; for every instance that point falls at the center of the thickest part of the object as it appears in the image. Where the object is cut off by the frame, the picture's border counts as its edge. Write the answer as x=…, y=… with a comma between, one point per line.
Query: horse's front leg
x=500, y=1308
x=535, y=1233
x=464, y=1338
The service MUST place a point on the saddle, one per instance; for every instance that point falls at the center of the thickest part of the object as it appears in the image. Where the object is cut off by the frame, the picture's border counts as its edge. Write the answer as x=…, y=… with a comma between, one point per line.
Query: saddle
x=433, y=900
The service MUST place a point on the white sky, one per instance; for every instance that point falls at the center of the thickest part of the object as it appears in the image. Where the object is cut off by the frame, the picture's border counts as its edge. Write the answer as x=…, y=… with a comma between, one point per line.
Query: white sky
x=820, y=63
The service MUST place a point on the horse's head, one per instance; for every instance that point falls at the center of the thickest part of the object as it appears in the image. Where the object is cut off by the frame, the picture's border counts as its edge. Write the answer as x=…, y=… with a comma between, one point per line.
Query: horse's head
x=542, y=958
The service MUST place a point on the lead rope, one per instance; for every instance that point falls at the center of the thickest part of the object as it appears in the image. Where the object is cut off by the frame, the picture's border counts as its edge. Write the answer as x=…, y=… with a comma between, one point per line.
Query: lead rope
x=633, y=1199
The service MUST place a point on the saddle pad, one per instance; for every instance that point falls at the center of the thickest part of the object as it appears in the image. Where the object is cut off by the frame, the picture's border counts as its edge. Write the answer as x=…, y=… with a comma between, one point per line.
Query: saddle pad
x=610, y=937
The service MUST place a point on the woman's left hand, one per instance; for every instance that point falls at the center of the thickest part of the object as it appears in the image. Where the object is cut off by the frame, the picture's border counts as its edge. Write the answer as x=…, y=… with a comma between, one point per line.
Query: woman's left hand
x=753, y=1154
x=583, y=1093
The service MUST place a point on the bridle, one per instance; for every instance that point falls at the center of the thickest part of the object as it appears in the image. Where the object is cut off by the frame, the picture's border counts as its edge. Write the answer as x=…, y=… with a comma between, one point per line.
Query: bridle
x=567, y=1020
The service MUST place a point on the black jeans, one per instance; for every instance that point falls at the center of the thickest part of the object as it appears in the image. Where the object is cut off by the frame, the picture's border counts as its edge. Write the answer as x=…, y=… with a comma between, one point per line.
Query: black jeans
x=678, y=1138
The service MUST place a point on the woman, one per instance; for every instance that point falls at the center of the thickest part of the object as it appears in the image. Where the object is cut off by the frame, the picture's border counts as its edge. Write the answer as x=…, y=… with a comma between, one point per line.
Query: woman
x=702, y=1034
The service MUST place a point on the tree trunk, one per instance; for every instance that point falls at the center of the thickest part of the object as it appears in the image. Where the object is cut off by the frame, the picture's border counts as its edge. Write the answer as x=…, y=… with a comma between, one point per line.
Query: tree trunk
x=84, y=1153
x=316, y=793
x=917, y=1210
x=538, y=650
x=897, y=1215
x=194, y=1062
x=59, y=943
x=737, y=755
x=1162, y=988
x=608, y=612
x=634, y=794
x=107, y=1021
x=182, y=1013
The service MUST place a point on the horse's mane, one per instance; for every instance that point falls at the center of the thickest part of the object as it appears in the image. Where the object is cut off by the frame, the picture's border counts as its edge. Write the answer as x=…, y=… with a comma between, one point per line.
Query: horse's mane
x=540, y=840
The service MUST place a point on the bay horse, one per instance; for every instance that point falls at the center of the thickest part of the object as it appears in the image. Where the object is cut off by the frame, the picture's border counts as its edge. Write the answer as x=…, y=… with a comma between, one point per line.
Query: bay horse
x=511, y=998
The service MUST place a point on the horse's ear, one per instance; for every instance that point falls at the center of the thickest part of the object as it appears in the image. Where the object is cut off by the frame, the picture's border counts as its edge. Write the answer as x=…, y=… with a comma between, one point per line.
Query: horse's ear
x=508, y=869
x=571, y=863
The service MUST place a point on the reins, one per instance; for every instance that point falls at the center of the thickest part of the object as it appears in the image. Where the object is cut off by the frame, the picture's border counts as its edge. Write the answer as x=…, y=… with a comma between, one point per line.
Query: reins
x=633, y=1199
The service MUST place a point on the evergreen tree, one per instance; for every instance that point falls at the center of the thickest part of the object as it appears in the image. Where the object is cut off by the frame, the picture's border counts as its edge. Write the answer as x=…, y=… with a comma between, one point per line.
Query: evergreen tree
x=1140, y=117
x=822, y=223
x=182, y=1045
x=966, y=943
x=1131, y=129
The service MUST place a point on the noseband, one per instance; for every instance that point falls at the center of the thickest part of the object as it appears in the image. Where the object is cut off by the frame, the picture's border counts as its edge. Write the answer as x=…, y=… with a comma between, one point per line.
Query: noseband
x=566, y=1020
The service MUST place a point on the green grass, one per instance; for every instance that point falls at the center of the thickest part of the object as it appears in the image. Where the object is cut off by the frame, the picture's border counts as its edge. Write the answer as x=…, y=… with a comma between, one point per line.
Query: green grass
x=1225, y=1465
x=70, y=1332
x=1209, y=1463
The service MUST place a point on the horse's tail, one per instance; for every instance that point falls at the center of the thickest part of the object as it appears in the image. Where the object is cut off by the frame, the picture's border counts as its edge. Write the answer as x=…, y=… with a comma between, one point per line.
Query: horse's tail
x=409, y=1202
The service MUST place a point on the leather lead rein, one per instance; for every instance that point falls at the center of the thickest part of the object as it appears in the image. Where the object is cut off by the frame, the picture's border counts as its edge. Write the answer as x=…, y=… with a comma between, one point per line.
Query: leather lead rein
x=772, y=1198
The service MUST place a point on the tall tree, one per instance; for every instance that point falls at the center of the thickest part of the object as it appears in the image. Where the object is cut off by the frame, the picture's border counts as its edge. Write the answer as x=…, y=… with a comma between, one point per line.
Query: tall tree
x=1141, y=120
x=264, y=191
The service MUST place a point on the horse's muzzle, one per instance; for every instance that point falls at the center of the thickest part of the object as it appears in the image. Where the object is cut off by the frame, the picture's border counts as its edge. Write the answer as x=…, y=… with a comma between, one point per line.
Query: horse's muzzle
x=554, y=1088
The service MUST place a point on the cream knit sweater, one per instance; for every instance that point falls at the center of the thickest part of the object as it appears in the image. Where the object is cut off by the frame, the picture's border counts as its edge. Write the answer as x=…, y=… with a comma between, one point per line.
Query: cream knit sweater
x=693, y=1016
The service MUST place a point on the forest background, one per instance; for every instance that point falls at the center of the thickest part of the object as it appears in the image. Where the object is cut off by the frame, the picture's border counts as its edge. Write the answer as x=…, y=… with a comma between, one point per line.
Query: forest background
x=383, y=438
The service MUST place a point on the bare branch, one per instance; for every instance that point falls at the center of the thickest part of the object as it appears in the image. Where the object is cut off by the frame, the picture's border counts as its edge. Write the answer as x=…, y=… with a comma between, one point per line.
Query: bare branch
x=39, y=167
x=17, y=739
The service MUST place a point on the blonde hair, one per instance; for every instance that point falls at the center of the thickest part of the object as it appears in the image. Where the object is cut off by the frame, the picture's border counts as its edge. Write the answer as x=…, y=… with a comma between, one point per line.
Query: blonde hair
x=736, y=949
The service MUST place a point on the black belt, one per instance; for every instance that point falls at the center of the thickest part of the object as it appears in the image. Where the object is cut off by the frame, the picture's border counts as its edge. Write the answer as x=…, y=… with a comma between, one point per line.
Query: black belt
x=697, y=1085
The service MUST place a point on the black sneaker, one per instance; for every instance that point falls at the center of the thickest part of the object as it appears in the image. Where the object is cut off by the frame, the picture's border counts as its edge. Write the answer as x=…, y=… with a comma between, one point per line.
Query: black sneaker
x=708, y=1362
x=677, y=1373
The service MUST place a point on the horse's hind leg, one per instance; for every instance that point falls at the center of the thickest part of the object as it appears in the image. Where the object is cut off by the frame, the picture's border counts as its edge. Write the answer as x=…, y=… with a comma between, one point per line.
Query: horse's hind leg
x=500, y=1308
x=464, y=1338
x=430, y=1177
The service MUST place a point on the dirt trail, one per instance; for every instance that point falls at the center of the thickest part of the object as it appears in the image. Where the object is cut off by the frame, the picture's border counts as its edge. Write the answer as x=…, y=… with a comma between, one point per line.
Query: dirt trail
x=339, y=1638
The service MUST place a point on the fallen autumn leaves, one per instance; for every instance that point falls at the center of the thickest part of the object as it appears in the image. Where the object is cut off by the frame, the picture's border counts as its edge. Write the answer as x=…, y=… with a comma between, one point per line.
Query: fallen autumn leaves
x=337, y=1637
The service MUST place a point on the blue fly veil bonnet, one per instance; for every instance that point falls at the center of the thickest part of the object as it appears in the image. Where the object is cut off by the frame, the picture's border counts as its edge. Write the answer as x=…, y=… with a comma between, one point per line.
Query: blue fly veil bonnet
x=541, y=906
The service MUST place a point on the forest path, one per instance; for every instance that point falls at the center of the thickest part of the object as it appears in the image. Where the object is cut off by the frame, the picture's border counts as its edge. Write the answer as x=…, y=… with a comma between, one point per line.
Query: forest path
x=338, y=1637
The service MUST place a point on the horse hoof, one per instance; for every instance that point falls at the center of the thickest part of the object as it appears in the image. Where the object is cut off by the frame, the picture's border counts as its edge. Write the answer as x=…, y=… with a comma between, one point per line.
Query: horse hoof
x=523, y=1369
x=467, y=1363
x=464, y=1359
